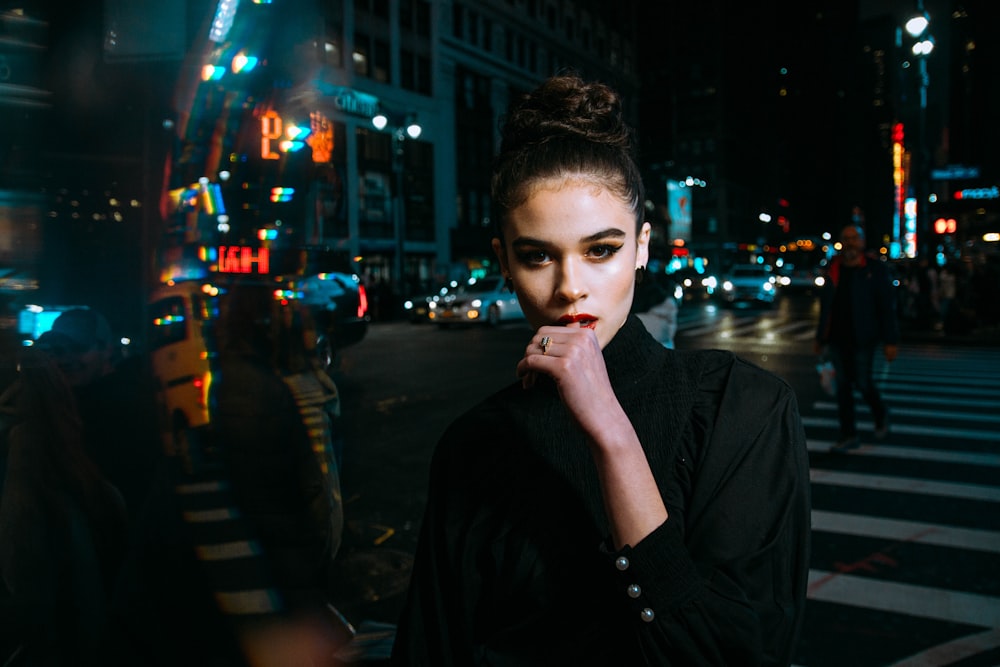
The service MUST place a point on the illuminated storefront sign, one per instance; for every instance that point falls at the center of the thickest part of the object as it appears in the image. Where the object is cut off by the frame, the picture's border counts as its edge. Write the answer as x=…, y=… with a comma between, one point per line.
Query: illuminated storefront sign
x=243, y=259
x=278, y=136
x=978, y=193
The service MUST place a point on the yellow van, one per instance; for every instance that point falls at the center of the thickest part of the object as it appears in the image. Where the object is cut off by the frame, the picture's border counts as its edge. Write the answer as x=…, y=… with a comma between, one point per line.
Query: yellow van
x=182, y=317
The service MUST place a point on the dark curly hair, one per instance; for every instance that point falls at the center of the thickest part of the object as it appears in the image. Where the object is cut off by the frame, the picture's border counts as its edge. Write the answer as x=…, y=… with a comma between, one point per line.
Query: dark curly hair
x=567, y=127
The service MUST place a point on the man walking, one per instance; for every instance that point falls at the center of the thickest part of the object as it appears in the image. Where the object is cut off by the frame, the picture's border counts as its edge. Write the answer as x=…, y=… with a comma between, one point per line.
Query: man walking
x=857, y=313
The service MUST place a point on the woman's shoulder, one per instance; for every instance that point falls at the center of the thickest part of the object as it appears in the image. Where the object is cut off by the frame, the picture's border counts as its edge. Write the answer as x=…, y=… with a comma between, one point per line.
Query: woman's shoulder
x=716, y=370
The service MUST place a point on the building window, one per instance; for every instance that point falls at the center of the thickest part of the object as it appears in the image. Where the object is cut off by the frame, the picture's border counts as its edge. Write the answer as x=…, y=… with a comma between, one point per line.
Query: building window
x=457, y=20
x=382, y=70
x=415, y=72
x=423, y=18
x=333, y=54
x=374, y=183
x=418, y=190
x=473, y=28
x=361, y=57
x=487, y=35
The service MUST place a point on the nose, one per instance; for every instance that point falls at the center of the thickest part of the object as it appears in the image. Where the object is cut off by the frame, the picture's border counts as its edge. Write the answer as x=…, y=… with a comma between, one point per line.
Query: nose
x=570, y=284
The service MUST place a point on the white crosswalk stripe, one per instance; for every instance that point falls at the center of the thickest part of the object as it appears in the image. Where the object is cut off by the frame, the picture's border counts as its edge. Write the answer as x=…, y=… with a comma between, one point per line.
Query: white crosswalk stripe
x=943, y=447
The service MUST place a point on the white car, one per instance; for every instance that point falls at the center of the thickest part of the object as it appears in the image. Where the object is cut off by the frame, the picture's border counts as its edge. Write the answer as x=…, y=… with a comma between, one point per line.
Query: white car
x=483, y=300
x=748, y=284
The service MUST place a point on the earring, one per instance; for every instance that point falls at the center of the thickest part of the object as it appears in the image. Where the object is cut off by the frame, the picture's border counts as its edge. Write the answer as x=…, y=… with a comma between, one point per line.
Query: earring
x=640, y=273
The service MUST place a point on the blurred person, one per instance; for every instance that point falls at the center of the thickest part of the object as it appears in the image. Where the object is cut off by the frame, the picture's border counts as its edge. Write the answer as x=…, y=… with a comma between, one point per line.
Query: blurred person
x=115, y=400
x=284, y=478
x=857, y=314
x=656, y=308
x=947, y=291
x=621, y=503
x=63, y=528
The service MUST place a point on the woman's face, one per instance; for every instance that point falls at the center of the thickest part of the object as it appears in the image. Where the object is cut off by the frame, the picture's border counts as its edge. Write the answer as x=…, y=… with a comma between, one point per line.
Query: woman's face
x=572, y=250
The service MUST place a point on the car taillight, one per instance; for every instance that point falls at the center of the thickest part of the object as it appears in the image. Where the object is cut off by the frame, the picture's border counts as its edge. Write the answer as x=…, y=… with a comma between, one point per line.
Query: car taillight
x=362, y=301
x=201, y=383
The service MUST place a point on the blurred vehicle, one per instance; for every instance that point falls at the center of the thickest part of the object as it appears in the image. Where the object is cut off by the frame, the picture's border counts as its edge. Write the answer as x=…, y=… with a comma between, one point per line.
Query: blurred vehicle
x=336, y=298
x=694, y=285
x=182, y=316
x=802, y=280
x=418, y=308
x=748, y=284
x=483, y=300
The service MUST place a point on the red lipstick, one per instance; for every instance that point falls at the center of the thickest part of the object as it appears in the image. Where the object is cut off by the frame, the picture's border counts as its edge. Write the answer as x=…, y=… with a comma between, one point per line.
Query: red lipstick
x=586, y=320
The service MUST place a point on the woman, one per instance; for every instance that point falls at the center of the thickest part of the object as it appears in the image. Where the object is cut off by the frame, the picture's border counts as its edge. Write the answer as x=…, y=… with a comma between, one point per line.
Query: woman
x=622, y=504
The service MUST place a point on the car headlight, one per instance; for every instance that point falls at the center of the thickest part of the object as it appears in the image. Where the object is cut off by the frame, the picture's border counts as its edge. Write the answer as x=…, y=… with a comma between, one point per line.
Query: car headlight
x=728, y=286
x=408, y=305
x=476, y=303
x=768, y=287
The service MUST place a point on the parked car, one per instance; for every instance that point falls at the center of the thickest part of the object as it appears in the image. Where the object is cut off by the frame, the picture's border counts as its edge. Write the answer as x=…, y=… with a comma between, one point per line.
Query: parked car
x=477, y=301
x=419, y=308
x=748, y=284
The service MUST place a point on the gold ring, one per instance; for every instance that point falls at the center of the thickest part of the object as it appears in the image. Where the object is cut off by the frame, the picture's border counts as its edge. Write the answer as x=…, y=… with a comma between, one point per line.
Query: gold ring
x=546, y=341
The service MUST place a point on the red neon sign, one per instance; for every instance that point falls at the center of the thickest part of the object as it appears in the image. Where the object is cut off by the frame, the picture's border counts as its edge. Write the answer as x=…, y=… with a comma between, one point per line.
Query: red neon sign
x=243, y=259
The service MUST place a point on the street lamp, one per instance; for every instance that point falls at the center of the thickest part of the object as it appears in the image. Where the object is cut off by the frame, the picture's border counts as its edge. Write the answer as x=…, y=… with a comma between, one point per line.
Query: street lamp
x=918, y=27
x=401, y=128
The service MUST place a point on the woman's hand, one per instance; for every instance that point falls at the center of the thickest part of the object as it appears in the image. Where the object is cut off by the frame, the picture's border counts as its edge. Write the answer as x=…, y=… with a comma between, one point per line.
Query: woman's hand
x=573, y=359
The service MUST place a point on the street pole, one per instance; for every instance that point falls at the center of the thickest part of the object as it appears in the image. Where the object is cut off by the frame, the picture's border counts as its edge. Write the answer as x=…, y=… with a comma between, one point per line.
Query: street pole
x=923, y=175
x=399, y=219
x=400, y=128
x=919, y=28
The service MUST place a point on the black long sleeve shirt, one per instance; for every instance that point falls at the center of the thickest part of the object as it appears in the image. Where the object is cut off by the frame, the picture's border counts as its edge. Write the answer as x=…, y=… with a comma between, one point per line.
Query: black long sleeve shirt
x=513, y=568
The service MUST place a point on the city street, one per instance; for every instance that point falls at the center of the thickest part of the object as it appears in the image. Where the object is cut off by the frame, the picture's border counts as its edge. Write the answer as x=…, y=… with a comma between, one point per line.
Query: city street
x=906, y=531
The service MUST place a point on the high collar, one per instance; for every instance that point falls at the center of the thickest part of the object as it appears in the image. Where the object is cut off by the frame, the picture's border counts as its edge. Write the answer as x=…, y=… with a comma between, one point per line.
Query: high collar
x=629, y=355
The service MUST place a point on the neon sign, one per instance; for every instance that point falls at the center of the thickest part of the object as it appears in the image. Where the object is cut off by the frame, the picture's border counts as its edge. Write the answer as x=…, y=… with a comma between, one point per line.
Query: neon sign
x=319, y=136
x=243, y=259
x=979, y=193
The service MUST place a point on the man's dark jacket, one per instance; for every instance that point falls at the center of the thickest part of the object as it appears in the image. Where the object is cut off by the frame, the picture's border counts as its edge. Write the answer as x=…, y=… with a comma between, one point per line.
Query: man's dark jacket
x=873, y=303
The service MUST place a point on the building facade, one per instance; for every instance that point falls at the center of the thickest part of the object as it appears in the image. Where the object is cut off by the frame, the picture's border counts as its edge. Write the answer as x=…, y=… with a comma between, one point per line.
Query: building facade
x=413, y=208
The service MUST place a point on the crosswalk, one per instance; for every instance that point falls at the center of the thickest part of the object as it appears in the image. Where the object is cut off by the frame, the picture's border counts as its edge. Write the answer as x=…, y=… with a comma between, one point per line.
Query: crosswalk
x=725, y=324
x=906, y=531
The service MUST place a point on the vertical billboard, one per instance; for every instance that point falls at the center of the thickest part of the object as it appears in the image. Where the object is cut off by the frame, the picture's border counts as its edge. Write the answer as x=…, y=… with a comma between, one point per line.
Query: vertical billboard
x=679, y=210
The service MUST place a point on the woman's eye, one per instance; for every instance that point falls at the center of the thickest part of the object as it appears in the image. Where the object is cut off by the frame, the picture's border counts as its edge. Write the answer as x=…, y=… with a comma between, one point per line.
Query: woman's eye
x=604, y=251
x=533, y=256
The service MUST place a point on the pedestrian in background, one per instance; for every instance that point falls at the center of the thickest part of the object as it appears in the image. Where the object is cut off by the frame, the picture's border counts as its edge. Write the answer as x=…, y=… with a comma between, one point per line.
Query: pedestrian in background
x=857, y=314
x=656, y=307
x=620, y=504
x=115, y=400
x=63, y=529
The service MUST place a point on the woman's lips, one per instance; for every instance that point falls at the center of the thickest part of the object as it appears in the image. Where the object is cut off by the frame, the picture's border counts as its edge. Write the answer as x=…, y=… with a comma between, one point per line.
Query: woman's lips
x=585, y=320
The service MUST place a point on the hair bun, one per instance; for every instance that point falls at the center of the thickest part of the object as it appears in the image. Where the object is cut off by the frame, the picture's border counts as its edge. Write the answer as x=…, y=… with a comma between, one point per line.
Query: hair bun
x=567, y=107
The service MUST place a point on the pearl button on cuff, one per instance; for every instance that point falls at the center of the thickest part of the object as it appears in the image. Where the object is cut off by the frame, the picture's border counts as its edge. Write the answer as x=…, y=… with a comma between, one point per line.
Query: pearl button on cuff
x=647, y=615
x=622, y=563
x=634, y=591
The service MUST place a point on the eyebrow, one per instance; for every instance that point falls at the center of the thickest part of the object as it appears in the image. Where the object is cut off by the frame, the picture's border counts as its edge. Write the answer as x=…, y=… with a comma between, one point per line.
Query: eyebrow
x=611, y=232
